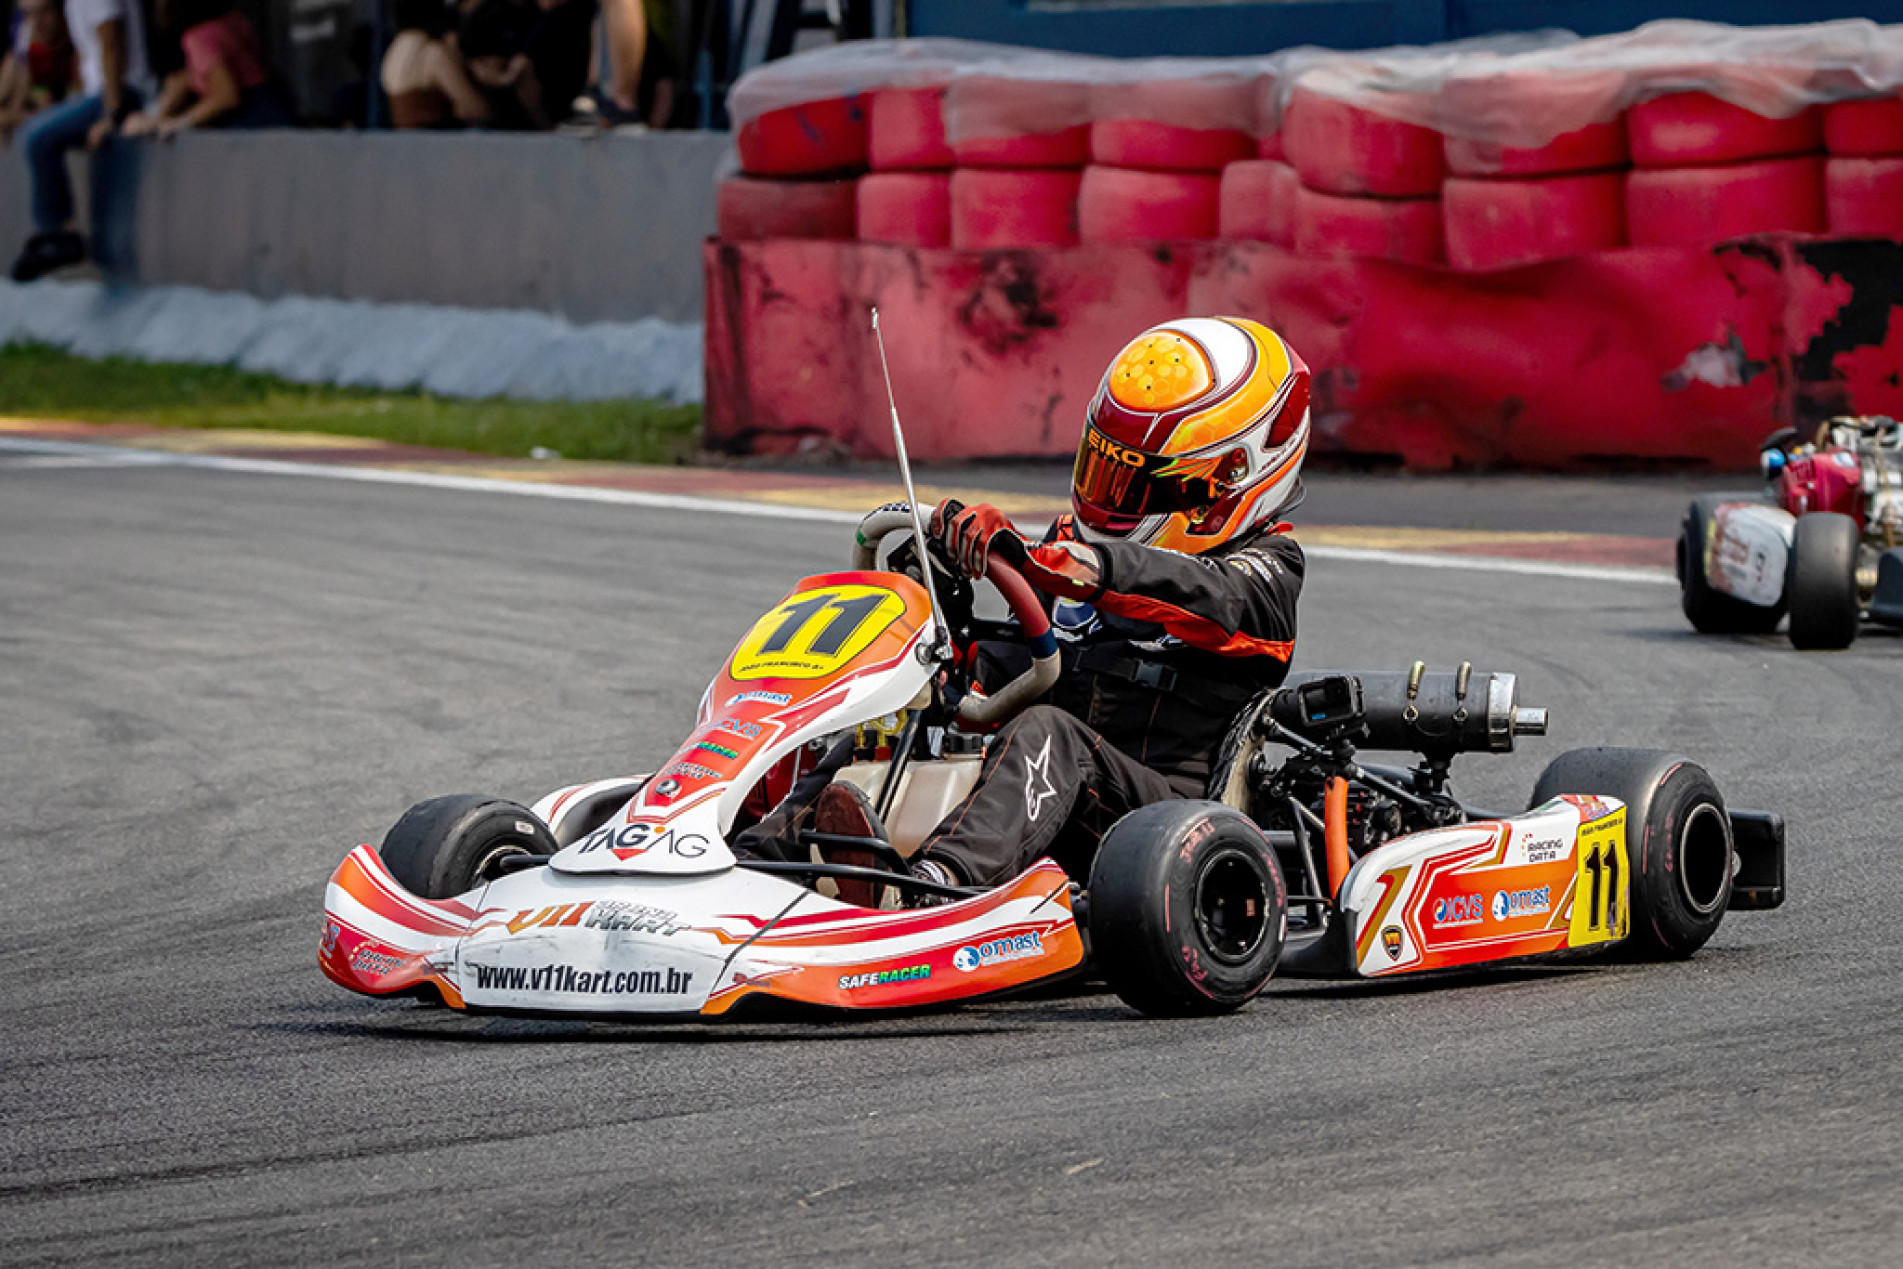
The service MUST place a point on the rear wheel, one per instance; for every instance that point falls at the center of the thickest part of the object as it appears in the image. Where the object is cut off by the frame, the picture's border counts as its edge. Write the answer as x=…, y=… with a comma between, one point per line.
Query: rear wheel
x=1188, y=911
x=1678, y=841
x=1710, y=610
x=1820, y=581
x=449, y=845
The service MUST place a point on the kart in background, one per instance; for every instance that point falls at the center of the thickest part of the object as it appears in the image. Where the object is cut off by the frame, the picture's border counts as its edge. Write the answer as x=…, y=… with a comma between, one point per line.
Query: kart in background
x=1823, y=542
x=622, y=898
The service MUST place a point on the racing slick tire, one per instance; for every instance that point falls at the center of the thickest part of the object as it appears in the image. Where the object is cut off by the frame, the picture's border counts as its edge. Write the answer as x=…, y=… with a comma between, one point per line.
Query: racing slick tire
x=1710, y=610
x=449, y=845
x=1820, y=581
x=1188, y=911
x=1678, y=842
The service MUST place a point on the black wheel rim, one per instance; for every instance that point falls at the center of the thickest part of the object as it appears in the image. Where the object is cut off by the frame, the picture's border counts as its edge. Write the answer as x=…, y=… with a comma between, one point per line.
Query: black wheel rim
x=1232, y=906
x=1704, y=858
x=490, y=866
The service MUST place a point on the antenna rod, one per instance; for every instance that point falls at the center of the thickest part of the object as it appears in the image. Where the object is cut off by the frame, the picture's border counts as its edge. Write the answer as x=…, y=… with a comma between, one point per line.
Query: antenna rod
x=939, y=650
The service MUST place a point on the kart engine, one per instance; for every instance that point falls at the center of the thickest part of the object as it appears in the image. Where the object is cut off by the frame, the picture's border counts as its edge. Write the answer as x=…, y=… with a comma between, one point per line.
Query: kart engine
x=1436, y=713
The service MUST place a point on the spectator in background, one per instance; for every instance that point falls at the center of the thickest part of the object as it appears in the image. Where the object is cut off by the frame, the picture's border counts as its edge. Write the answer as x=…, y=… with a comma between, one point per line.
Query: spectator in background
x=349, y=105
x=559, y=46
x=224, y=82
x=423, y=73
x=495, y=38
x=639, y=84
x=109, y=38
x=37, y=69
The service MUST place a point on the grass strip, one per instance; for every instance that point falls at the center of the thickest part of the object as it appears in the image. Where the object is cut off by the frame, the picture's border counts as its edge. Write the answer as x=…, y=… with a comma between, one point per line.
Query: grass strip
x=41, y=382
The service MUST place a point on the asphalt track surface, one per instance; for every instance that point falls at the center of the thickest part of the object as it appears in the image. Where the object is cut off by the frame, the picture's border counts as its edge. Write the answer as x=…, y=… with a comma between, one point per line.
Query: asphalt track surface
x=213, y=684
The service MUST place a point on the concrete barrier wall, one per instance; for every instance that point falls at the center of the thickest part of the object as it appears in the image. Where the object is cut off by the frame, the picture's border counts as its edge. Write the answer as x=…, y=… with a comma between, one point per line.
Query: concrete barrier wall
x=592, y=229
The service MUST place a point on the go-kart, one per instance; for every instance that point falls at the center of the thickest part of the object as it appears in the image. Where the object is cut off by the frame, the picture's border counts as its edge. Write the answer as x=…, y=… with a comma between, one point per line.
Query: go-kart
x=622, y=898
x=1823, y=542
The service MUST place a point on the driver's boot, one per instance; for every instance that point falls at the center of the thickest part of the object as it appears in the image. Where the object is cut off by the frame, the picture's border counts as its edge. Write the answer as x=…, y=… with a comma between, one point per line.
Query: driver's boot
x=844, y=809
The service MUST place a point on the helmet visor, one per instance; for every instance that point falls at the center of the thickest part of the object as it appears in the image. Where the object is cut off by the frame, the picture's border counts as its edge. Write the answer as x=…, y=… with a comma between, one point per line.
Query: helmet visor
x=1115, y=487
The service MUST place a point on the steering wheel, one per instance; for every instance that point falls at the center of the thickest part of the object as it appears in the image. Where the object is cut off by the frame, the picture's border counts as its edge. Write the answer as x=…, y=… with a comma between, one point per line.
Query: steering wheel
x=1019, y=596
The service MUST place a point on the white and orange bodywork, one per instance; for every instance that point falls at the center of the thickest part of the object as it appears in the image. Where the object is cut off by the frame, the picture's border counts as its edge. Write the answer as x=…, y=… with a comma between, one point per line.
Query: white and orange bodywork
x=648, y=914
x=1556, y=879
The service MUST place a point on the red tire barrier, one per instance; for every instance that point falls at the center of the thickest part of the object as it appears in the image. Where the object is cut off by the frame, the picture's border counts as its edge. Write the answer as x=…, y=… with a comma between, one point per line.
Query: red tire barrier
x=1503, y=99
x=1593, y=148
x=746, y=209
x=1068, y=148
x=994, y=209
x=1188, y=123
x=804, y=140
x=1690, y=129
x=1019, y=123
x=1498, y=224
x=1406, y=229
x=1864, y=128
x=1117, y=204
x=1863, y=198
x=1164, y=147
x=1257, y=202
x=1697, y=206
x=912, y=209
x=1270, y=147
x=907, y=130
x=1342, y=149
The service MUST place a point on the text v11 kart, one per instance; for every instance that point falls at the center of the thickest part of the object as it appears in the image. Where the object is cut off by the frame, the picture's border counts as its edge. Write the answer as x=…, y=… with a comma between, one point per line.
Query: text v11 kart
x=621, y=898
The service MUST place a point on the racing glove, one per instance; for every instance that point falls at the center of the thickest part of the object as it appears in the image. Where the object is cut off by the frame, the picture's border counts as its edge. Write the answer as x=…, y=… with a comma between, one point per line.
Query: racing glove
x=970, y=534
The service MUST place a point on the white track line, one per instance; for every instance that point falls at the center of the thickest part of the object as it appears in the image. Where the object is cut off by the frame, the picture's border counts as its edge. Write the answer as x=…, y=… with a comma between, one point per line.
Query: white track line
x=737, y=507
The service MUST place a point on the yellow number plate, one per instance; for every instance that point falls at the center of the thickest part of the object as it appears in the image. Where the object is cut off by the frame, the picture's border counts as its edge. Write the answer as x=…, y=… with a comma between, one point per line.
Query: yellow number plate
x=1601, y=894
x=815, y=633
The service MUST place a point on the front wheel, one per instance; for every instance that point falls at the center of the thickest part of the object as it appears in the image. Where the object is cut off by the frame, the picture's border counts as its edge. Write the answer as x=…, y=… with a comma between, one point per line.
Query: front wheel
x=1821, y=581
x=1678, y=841
x=1710, y=610
x=1188, y=911
x=449, y=845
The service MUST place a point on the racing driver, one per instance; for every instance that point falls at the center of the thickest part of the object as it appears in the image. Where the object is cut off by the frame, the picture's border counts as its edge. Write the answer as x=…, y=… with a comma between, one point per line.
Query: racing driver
x=1173, y=588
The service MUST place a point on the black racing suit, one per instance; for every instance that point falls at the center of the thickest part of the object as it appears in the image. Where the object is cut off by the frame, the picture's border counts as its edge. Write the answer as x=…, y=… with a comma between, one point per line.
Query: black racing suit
x=1154, y=671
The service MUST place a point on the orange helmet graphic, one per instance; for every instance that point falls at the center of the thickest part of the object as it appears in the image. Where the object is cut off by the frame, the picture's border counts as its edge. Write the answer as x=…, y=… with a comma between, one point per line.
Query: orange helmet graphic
x=1195, y=436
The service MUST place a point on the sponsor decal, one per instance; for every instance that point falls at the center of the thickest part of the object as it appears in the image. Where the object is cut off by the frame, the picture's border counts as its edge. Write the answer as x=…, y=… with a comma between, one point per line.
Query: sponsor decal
x=771, y=698
x=1391, y=942
x=746, y=731
x=1196, y=836
x=1037, y=782
x=370, y=961
x=1545, y=851
x=1015, y=948
x=1114, y=452
x=1460, y=909
x=554, y=914
x=620, y=914
x=1508, y=904
x=712, y=748
x=1258, y=564
x=332, y=933
x=911, y=973
x=642, y=837
x=596, y=982
x=686, y=771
